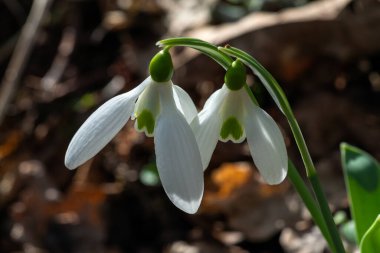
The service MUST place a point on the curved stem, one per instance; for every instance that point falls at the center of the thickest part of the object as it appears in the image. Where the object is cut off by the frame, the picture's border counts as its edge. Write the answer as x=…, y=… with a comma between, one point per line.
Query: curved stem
x=250, y=94
x=200, y=45
x=309, y=202
x=221, y=55
x=279, y=97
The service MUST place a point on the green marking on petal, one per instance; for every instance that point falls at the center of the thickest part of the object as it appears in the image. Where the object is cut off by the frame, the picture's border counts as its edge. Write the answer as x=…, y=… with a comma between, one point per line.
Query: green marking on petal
x=146, y=120
x=231, y=127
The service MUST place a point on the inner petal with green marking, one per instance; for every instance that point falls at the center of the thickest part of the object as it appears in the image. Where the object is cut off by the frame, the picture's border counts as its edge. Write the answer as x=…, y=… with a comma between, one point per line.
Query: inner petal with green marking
x=145, y=122
x=232, y=130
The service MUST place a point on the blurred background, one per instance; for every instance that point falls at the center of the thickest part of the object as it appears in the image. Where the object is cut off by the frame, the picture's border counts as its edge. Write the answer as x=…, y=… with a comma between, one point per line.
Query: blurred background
x=60, y=60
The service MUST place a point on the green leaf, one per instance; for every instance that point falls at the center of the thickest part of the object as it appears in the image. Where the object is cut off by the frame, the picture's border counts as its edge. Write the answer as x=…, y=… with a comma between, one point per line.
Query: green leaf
x=362, y=176
x=371, y=239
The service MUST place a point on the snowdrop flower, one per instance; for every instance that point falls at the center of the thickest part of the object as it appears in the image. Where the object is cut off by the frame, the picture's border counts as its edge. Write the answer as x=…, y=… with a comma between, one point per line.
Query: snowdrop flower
x=230, y=114
x=162, y=110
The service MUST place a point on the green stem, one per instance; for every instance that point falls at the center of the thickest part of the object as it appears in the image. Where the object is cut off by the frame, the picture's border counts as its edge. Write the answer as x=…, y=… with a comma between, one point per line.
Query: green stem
x=279, y=97
x=313, y=178
x=222, y=57
x=200, y=45
x=250, y=94
x=309, y=202
x=303, y=191
x=325, y=209
x=206, y=48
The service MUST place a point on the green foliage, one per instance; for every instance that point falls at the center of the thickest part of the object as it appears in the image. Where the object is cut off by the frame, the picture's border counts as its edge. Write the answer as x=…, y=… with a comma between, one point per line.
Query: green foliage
x=362, y=176
x=371, y=240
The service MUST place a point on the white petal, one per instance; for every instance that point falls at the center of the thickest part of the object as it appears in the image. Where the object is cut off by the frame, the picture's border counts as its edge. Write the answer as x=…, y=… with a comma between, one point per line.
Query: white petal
x=101, y=127
x=217, y=96
x=148, y=100
x=184, y=103
x=207, y=126
x=139, y=90
x=178, y=159
x=266, y=144
x=206, y=130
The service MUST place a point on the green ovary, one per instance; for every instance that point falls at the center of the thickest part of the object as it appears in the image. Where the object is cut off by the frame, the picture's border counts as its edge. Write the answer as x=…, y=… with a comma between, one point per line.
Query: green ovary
x=146, y=120
x=231, y=127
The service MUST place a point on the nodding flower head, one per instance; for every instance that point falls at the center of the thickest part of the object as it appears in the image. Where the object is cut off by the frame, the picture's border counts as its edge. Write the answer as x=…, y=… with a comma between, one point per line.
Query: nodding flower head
x=230, y=114
x=160, y=109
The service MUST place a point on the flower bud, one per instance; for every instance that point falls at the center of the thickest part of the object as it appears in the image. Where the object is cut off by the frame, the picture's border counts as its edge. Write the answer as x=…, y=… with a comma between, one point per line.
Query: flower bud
x=161, y=66
x=235, y=76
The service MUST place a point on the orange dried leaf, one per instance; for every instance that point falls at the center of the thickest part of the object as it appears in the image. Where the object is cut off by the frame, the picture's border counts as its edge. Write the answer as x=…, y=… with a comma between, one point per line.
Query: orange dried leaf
x=10, y=143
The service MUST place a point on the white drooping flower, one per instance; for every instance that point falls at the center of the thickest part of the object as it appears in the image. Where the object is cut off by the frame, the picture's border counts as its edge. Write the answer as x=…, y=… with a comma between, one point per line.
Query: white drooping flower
x=230, y=114
x=162, y=110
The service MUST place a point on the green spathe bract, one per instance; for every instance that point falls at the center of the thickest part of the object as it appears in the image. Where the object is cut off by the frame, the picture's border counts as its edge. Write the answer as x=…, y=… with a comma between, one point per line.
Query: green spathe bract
x=161, y=66
x=235, y=77
x=231, y=127
x=362, y=176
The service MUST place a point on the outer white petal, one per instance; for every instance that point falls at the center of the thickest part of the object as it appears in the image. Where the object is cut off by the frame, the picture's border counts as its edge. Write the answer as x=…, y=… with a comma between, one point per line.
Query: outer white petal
x=101, y=127
x=218, y=95
x=184, y=103
x=207, y=126
x=178, y=159
x=266, y=144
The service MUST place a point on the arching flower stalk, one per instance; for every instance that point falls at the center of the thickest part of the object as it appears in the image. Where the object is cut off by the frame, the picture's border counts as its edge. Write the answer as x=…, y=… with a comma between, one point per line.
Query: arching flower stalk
x=160, y=109
x=230, y=114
